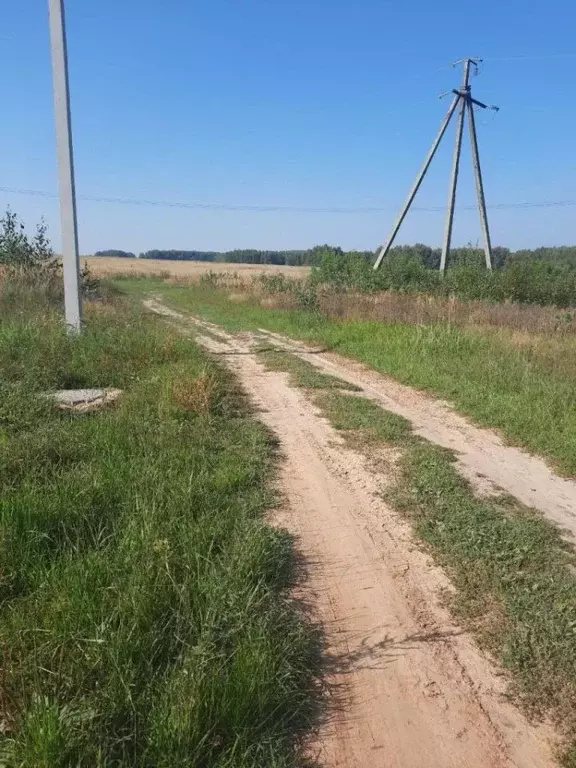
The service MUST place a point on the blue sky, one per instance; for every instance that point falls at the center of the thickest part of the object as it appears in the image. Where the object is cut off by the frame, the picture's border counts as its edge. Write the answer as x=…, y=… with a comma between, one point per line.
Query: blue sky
x=307, y=103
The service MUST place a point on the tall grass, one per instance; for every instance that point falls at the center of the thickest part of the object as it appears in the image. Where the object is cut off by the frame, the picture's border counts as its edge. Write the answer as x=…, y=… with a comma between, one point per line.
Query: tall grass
x=144, y=618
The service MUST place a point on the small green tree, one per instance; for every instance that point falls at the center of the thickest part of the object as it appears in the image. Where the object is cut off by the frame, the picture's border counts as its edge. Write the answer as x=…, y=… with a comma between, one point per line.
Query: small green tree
x=29, y=268
x=18, y=249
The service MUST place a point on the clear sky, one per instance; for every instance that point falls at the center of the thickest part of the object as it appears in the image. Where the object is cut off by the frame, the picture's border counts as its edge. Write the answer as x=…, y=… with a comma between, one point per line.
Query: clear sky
x=306, y=103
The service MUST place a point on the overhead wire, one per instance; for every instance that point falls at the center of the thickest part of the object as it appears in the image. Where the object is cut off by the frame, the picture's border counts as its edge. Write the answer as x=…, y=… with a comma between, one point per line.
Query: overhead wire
x=281, y=208
x=201, y=205
x=531, y=57
x=300, y=209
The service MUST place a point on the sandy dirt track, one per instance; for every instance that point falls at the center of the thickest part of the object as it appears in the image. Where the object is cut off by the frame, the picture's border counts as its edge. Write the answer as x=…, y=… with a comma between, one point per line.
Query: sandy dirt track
x=483, y=458
x=408, y=688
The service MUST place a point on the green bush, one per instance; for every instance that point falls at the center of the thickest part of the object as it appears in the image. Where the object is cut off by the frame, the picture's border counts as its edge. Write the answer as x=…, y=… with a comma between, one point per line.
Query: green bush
x=524, y=281
x=304, y=292
x=17, y=249
x=30, y=272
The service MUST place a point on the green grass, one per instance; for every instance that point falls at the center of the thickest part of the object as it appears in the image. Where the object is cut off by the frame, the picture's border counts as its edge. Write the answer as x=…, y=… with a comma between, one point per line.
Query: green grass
x=514, y=575
x=527, y=391
x=302, y=373
x=144, y=614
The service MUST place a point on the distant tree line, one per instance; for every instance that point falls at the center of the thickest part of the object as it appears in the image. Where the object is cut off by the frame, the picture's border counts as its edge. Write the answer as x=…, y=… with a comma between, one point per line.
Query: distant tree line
x=309, y=257
x=560, y=256
x=116, y=254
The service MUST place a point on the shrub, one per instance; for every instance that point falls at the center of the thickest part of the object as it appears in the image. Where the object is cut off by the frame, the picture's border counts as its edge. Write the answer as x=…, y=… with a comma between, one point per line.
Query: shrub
x=30, y=272
x=19, y=250
x=522, y=281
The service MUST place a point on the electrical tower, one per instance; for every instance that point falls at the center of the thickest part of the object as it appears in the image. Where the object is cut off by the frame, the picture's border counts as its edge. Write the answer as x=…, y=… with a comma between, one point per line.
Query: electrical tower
x=464, y=101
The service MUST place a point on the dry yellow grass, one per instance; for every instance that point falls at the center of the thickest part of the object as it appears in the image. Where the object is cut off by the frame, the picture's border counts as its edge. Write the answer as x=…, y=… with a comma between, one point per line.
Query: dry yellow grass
x=525, y=320
x=192, y=270
x=195, y=395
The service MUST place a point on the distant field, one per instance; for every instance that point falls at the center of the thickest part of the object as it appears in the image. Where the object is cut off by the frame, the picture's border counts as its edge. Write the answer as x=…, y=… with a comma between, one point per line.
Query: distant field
x=103, y=266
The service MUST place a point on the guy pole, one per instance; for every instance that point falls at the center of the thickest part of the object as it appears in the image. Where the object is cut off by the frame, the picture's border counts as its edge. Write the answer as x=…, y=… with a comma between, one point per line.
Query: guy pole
x=455, y=167
x=419, y=179
x=479, y=185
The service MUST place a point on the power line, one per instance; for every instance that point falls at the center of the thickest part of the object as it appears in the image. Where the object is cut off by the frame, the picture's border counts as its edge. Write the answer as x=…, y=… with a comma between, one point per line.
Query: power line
x=531, y=57
x=282, y=208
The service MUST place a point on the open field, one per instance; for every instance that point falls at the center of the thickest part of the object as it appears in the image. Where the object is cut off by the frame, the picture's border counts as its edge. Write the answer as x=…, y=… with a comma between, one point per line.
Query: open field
x=192, y=270
x=144, y=613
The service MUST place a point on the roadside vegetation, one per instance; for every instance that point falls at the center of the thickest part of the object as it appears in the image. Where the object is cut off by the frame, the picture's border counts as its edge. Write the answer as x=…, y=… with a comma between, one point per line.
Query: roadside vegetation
x=144, y=612
x=518, y=279
x=513, y=575
x=521, y=383
x=302, y=373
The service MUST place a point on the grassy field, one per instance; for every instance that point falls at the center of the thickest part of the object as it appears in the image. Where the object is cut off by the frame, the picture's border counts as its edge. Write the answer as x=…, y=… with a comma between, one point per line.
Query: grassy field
x=145, y=619
x=103, y=266
x=519, y=383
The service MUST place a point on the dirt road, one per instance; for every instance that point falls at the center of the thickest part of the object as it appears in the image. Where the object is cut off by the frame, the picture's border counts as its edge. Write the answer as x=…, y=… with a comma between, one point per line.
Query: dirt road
x=408, y=688
x=483, y=458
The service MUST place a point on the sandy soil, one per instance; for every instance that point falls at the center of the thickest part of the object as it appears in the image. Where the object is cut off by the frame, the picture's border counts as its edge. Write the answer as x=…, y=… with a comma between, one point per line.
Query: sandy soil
x=105, y=267
x=407, y=687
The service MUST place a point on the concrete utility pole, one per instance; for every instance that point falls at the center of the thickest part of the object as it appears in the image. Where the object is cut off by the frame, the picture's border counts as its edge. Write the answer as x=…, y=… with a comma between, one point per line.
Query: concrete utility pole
x=463, y=98
x=69, y=222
